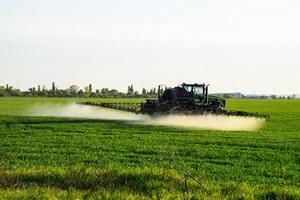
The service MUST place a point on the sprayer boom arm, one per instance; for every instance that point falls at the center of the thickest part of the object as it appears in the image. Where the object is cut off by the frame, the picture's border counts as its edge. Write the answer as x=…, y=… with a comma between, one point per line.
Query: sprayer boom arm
x=136, y=108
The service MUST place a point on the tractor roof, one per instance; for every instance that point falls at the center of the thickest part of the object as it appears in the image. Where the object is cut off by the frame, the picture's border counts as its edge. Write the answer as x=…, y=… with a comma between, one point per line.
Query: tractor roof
x=194, y=84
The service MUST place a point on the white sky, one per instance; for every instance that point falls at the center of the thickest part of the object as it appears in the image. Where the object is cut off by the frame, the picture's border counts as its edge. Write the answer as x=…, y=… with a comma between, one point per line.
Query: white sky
x=235, y=45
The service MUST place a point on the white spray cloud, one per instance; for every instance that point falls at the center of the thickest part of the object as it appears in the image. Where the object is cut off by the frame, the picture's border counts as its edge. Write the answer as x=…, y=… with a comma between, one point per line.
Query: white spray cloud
x=208, y=122
x=80, y=111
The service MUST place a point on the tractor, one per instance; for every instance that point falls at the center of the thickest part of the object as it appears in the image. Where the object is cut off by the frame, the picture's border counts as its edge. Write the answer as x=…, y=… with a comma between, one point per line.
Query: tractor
x=185, y=99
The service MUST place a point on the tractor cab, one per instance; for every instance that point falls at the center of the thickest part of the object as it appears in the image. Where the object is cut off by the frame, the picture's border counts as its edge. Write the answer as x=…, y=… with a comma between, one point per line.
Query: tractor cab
x=197, y=92
x=185, y=95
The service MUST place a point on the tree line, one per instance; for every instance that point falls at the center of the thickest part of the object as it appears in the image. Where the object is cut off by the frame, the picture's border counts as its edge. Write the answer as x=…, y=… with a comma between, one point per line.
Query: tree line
x=75, y=91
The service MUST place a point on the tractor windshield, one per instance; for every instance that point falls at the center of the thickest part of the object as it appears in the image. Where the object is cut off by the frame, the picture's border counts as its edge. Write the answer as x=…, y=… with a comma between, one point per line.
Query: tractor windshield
x=198, y=91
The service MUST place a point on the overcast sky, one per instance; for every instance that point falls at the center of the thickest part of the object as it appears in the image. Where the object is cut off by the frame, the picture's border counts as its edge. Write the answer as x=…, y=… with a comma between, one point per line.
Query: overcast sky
x=235, y=45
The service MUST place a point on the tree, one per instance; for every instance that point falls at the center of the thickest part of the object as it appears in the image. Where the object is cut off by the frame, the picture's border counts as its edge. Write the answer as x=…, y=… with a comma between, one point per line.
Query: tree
x=144, y=91
x=87, y=91
x=93, y=94
x=44, y=92
x=154, y=91
x=273, y=96
x=150, y=91
x=114, y=93
x=60, y=93
x=130, y=90
x=90, y=88
x=16, y=92
x=39, y=90
x=53, y=87
x=33, y=91
x=8, y=90
x=98, y=93
x=263, y=97
x=136, y=93
x=104, y=92
x=73, y=90
x=53, y=90
x=80, y=93
x=2, y=91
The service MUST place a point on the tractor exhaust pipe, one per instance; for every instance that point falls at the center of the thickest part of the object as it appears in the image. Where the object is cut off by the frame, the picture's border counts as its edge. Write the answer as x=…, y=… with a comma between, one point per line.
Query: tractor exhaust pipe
x=158, y=93
x=206, y=94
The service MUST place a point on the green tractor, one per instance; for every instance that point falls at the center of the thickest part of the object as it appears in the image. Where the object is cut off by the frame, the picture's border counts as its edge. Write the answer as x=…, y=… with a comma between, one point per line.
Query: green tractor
x=186, y=99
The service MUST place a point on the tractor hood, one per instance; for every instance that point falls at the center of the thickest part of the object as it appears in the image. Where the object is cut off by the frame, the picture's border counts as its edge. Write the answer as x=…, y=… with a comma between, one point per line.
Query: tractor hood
x=217, y=100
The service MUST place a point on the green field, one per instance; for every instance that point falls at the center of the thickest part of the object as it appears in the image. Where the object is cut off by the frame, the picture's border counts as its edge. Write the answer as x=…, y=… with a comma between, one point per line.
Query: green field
x=81, y=158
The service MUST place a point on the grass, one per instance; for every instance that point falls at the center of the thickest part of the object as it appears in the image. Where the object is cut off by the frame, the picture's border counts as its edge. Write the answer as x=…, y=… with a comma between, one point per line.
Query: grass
x=59, y=158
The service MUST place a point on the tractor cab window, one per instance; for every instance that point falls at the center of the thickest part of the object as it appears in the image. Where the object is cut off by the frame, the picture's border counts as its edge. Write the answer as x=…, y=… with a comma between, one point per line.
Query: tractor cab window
x=198, y=91
x=189, y=89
